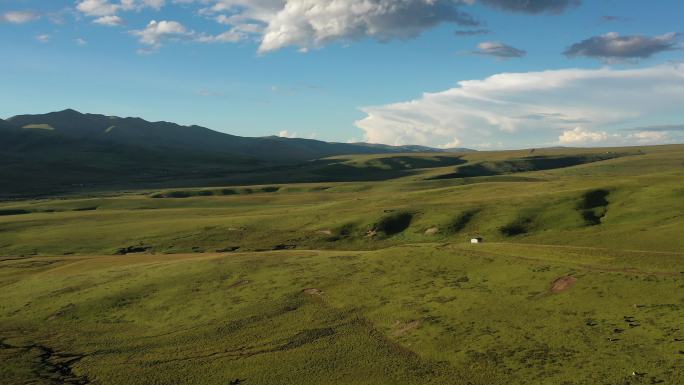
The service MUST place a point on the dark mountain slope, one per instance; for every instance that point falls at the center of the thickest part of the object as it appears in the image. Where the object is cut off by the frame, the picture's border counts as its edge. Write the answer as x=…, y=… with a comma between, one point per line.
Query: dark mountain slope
x=37, y=162
x=5, y=125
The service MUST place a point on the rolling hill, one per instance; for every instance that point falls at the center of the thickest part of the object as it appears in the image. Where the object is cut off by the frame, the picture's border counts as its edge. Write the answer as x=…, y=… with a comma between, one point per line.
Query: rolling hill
x=579, y=279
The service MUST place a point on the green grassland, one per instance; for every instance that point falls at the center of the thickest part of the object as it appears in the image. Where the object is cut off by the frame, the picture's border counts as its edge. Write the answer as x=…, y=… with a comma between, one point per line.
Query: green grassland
x=366, y=276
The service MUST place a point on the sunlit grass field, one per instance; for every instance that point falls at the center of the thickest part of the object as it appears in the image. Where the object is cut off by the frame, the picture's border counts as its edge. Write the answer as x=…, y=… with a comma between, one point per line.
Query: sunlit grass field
x=580, y=279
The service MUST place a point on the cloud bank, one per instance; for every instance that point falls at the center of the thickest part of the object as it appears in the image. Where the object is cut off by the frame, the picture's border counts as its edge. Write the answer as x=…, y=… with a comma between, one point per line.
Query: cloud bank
x=545, y=108
x=612, y=46
x=498, y=50
x=19, y=17
x=110, y=20
x=104, y=8
x=158, y=32
x=472, y=32
x=533, y=6
x=308, y=24
x=313, y=23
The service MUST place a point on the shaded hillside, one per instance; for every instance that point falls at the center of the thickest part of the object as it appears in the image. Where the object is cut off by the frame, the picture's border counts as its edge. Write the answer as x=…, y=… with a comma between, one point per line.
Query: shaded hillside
x=526, y=164
x=42, y=162
x=5, y=125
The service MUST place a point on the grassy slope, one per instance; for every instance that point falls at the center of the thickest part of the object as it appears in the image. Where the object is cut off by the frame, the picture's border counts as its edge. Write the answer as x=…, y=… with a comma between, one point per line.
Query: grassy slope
x=411, y=308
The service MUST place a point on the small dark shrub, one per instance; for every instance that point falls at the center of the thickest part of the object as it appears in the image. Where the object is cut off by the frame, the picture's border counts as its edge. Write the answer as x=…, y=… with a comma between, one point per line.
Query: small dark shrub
x=461, y=221
x=518, y=227
x=13, y=212
x=395, y=223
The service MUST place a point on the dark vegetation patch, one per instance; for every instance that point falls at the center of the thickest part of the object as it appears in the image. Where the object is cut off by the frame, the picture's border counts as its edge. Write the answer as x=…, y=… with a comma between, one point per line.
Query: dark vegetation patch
x=394, y=223
x=228, y=249
x=270, y=189
x=284, y=246
x=461, y=221
x=13, y=212
x=90, y=208
x=343, y=232
x=531, y=163
x=520, y=226
x=53, y=367
x=219, y=192
x=594, y=198
x=133, y=249
x=173, y=194
x=183, y=194
x=594, y=206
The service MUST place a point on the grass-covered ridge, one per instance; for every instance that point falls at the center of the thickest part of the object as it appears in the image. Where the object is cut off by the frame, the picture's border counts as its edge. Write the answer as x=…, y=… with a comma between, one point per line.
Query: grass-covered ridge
x=528, y=163
x=579, y=280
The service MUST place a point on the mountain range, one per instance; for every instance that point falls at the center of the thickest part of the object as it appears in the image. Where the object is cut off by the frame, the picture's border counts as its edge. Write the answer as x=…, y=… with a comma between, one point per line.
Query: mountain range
x=69, y=150
x=170, y=136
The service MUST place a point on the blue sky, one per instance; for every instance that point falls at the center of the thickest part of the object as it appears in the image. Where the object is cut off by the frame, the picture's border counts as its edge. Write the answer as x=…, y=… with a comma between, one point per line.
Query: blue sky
x=546, y=72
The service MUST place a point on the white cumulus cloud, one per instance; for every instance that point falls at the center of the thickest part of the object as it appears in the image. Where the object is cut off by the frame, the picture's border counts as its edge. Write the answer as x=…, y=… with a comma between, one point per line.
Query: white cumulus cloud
x=97, y=7
x=100, y=8
x=157, y=32
x=650, y=136
x=111, y=20
x=313, y=23
x=44, y=38
x=309, y=24
x=287, y=134
x=533, y=108
x=580, y=135
x=499, y=50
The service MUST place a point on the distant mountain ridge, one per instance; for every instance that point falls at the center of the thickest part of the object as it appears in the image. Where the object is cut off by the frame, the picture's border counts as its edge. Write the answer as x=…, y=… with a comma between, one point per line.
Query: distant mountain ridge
x=171, y=136
x=67, y=151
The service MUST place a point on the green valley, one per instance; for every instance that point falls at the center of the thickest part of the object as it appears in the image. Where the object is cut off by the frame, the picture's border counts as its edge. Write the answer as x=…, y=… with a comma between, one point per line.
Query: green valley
x=363, y=275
